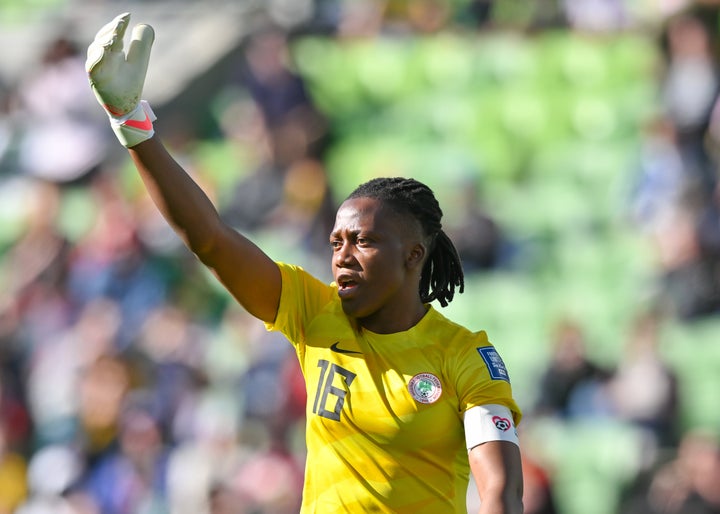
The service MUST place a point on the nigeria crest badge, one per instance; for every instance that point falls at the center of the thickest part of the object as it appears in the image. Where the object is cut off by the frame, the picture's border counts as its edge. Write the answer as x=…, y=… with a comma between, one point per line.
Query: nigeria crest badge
x=425, y=388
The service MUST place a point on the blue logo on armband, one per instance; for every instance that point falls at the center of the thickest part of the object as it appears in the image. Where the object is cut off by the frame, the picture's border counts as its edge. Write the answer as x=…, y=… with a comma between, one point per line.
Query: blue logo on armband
x=494, y=363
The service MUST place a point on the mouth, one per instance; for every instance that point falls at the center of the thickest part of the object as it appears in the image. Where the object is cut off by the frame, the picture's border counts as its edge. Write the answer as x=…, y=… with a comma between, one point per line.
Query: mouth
x=346, y=286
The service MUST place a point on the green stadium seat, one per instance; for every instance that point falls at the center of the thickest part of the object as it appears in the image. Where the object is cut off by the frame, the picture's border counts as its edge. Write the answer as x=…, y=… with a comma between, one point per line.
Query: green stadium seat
x=592, y=460
x=692, y=350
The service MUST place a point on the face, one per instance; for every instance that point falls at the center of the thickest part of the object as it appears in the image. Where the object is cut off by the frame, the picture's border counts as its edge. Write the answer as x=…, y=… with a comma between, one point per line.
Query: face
x=377, y=260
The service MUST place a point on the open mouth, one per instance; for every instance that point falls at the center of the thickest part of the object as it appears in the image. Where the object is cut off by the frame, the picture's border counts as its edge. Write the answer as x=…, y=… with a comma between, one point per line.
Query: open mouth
x=346, y=286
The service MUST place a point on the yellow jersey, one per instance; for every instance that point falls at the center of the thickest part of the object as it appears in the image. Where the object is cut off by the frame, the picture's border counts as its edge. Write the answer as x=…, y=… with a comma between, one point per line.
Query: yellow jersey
x=385, y=411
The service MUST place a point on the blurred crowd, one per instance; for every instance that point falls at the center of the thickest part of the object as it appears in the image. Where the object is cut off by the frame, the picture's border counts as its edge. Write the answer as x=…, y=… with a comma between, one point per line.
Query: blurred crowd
x=130, y=383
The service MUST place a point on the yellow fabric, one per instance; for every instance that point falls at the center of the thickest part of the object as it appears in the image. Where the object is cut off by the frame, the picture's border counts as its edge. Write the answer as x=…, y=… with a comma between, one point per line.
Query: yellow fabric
x=13, y=481
x=372, y=446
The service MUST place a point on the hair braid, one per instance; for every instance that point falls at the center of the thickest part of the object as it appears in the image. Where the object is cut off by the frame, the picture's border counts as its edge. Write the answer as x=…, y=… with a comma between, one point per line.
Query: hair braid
x=442, y=271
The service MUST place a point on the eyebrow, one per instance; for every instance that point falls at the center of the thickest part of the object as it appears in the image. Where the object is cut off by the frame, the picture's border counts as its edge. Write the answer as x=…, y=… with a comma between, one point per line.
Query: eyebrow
x=355, y=232
x=352, y=232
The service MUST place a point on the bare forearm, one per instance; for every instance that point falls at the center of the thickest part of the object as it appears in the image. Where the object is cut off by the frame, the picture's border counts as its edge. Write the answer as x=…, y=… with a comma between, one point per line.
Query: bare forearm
x=497, y=470
x=498, y=506
x=179, y=199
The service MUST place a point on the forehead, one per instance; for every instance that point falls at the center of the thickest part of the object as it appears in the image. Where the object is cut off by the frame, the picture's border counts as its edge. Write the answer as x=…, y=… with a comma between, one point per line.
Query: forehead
x=369, y=214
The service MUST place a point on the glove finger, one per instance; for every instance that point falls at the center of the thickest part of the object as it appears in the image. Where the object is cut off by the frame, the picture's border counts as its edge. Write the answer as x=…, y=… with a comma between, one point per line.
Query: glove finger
x=108, y=38
x=112, y=34
x=141, y=43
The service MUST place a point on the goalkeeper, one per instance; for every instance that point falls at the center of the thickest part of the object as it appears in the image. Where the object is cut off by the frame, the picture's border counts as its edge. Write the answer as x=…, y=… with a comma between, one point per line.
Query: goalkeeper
x=402, y=403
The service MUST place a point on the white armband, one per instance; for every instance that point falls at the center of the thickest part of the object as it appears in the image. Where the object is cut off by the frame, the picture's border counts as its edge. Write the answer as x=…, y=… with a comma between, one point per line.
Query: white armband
x=489, y=423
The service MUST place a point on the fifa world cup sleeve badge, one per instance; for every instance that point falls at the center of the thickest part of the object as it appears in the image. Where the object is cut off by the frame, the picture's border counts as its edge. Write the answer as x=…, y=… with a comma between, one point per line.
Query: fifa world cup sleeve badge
x=494, y=363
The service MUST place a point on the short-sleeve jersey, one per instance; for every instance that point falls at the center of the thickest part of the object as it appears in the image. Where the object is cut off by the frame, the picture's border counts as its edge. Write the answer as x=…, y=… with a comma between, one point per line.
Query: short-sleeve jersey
x=385, y=411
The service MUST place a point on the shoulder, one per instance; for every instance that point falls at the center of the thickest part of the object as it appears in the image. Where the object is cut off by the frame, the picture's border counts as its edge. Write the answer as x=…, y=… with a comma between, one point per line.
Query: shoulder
x=296, y=277
x=465, y=349
x=454, y=334
x=302, y=298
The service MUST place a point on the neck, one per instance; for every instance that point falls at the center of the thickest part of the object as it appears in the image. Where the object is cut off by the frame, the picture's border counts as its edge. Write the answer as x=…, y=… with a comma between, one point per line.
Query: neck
x=380, y=324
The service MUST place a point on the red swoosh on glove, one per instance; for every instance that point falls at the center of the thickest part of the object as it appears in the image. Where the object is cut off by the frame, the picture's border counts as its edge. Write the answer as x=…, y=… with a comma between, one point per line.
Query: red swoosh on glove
x=146, y=124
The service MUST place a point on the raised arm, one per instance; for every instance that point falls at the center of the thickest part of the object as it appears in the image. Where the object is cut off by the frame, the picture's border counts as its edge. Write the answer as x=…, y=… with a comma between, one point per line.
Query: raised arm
x=117, y=80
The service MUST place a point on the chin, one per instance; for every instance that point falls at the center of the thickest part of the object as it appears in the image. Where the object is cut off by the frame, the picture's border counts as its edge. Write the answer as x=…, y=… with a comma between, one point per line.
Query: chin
x=349, y=308
x=353, y=310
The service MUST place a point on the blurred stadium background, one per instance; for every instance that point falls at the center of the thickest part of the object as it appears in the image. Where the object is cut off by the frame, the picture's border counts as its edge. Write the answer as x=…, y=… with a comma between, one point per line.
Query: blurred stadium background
x=573, y=145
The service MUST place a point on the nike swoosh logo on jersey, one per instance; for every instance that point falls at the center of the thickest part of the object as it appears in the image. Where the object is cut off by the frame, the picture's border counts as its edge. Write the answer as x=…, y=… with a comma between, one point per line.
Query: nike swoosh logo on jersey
x=146, y=124
x=337, y=349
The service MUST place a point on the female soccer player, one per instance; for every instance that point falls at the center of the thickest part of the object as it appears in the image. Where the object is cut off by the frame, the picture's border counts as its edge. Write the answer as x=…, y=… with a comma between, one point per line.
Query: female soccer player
x=402, y=402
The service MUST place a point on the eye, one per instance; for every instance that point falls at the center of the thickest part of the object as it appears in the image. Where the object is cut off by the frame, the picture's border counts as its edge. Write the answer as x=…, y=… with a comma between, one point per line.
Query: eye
x=335, y=244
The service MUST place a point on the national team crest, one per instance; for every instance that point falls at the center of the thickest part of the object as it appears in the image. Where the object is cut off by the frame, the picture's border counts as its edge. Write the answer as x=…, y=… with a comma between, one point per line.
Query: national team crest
x=425, y=388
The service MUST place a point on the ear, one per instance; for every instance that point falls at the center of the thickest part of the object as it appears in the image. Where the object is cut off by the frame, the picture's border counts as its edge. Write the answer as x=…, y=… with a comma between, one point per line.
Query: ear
x=416, y=256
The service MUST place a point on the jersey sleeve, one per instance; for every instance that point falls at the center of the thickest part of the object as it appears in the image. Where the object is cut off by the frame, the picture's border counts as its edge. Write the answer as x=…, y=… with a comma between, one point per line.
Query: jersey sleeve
x=301, y=298
x=481, y=377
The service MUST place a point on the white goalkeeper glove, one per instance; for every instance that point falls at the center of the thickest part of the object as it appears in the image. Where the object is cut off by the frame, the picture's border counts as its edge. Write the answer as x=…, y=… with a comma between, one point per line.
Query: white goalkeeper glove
x=117, y=80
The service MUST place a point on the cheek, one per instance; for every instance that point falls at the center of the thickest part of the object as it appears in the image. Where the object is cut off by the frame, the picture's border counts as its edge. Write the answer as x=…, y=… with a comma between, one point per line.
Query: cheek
x=388, y=271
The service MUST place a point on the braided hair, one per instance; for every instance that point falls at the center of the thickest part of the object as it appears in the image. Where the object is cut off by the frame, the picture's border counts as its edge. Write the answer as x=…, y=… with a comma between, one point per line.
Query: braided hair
x=442, y=271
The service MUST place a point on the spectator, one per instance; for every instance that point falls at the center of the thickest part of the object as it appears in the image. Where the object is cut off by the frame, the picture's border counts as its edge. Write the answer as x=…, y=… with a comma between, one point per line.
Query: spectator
x=689, y=89
x=643, y=388
x=131, y=476
x=57, y=117
x=478, y=237
x=572, y=384
x=688, y=268
x=52, y=472
x=687, y=484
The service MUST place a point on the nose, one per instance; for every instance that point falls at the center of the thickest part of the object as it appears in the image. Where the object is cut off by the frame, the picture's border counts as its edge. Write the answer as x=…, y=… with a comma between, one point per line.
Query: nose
x=343, y=256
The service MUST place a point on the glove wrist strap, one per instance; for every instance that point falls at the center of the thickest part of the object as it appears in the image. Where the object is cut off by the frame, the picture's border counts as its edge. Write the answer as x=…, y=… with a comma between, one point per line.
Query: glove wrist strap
x=136, y=126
